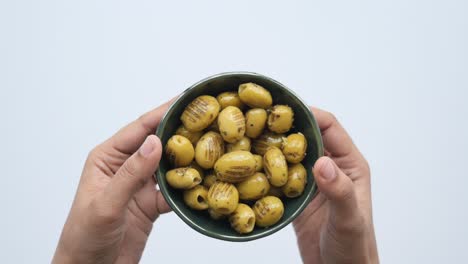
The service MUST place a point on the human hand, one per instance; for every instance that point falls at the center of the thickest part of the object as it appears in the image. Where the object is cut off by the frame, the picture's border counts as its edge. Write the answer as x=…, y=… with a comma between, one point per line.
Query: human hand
x=337, y=226
x=116, y=202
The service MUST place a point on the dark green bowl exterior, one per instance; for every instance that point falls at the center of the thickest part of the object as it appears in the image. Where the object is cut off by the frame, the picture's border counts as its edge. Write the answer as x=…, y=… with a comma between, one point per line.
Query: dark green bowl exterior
x=304, y=122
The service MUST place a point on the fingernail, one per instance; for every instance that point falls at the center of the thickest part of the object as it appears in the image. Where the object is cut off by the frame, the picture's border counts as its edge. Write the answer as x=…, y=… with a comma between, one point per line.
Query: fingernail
x=327, y=171
x=147, y=148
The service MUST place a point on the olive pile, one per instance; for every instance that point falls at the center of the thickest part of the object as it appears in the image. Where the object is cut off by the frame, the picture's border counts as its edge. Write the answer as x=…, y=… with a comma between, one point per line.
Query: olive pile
x=214, y=165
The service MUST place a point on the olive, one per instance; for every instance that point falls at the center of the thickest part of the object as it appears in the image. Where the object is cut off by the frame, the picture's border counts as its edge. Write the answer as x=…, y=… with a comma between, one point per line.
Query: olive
x=276, y=167
x=297, y=180
x=255, y=121
x=231, y=123
x=275, y=191
x=195, y=198
x=242, y=219
x=214, y=126
x=209, y=179
x=192, y=136
x=242, y=144
x=208, y=150
x=258, y=162
x=254, y=187
x=255, y=95
x=268, y=211
x=280, y=119
x=229, y=99
x=235, y=166
x=214, y=215
x=223, y=197
x=200, y=170
x=183, y=178
x=294, y=147
x=200, y=113
x=179, y=151
x=266, y=140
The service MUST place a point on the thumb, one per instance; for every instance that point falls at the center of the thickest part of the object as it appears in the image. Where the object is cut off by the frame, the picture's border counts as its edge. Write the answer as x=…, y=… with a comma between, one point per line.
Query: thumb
x=339, y=190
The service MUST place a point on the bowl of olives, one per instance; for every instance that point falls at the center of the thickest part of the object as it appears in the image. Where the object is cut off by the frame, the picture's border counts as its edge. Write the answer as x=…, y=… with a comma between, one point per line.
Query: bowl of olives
x=237, y=157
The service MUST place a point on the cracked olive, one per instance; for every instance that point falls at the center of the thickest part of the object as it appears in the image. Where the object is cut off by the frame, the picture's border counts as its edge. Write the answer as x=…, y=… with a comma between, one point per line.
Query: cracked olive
x=254, y=187
x=180, y=151
x=209, y=179
x=200, y=113
x=235, y=166
x=258, y=162
x=280, y=119
x=208, y=150
x=195, y=198
x=183, y=178
x=200, y=170
x=192, y=136
x=229, y=99
x=268, y=211
x=223, y=197
x=255, y=121
x=242, y=219
x=276, y=167
x=297, y=180
x=255, y=95
x=231, y=123
x=266, y=140
x=242, y=144
x=294, y=147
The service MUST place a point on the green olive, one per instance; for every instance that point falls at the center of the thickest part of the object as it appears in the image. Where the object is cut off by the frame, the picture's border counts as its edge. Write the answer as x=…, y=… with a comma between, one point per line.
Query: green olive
x=258, y=162
x=229, y=99
x=243, y=219
x=294, y=147
x=276, y=167
x=235, y=166
x=266, y=140
x=297, y=180
x=255, y=121
x=254, y=187
x=223, y=197
x=183, y=178
x=195, y=198
x=214, y=215
x=242, y=144
x=275, y=191
x=268, y=211
x=209, y=149
x=280, y=119
x=209, y=179
x=199, y=114
x=231, y=123
x=180, y=151
x=192, y=136
x=255, y=95
x=200, y=170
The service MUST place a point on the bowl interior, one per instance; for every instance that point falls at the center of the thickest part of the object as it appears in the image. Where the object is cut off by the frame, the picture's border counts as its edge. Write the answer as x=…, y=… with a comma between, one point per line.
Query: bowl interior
x=304, y=122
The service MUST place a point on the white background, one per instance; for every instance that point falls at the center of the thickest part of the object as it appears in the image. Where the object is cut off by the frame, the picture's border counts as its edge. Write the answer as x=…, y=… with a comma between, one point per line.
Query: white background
x=394, y=72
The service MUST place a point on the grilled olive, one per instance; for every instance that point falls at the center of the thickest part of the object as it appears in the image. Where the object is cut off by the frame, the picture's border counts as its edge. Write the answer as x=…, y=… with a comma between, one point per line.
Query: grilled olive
x=200, y=170
x=179, y=151
x=208, y=150
x=268, y=211
x=267, y=139
x=235, y=166
x=223, y=197
x=255, y=95
x=258, y=162
x=243, y=219
x=255, y=121
x=229, y=99
x=294, y=147
x=209, y=179
x=297, y=180
x=192, y=136
x=276, y=167
x=214, y=215
x=183, y=178
x=275, y=191
x=231, y=123
x=242, y=144
x=195, y=198
x=280, y=119
x=200, y=113
x=254, y=187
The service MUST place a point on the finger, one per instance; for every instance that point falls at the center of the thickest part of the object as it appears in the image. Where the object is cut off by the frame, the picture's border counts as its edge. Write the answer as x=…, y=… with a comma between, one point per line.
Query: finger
x=151, y=202
x=133, y=175
x=161, y=204
x=335, y=138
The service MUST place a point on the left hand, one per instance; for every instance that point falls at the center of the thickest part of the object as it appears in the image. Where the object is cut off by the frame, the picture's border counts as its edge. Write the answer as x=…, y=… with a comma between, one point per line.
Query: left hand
x=117, y=201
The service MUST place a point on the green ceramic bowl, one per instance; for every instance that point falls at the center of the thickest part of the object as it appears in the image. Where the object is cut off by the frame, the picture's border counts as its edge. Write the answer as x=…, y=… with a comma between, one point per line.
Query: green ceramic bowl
x=304, y=122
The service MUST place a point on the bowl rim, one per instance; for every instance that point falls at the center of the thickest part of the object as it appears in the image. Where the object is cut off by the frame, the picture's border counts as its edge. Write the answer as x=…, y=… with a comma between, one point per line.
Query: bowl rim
x=266, y=232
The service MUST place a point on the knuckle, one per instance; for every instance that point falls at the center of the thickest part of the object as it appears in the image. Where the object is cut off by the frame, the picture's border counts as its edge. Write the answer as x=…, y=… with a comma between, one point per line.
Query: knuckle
x=103, y=214
x=331, y=116
x=130, y=172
